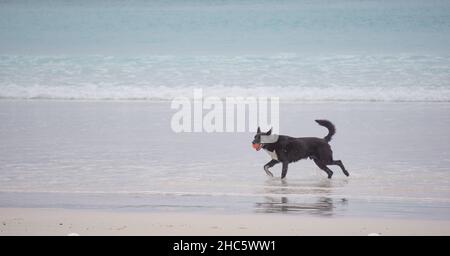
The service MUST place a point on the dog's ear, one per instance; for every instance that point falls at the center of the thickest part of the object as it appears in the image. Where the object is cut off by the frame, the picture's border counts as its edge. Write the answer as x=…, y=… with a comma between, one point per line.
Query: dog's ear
x=269, y=132
x=259, y=130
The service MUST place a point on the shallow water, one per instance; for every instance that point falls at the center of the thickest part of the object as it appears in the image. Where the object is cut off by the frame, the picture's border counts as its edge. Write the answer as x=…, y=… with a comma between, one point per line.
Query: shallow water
x=123, y=155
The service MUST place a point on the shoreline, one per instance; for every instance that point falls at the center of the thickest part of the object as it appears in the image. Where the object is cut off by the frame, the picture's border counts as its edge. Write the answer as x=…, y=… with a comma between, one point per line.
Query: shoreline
x=168, y=101
x=62, y=222
x=112, y=147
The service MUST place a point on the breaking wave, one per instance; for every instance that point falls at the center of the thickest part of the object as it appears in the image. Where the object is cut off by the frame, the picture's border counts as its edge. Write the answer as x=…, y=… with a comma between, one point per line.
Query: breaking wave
x=290, y=77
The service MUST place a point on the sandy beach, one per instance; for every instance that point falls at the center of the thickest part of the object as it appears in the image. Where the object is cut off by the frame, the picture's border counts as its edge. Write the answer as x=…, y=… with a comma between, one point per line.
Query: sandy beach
x=101, y=168
x=90, y=117
x=61, y=222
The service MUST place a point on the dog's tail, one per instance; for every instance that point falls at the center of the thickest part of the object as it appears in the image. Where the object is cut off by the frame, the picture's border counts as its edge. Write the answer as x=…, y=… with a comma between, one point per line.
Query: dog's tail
x=329, y=126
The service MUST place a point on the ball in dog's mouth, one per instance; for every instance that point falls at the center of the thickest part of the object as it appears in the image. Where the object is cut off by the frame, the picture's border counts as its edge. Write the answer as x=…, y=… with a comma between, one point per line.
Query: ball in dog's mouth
x=257, y=146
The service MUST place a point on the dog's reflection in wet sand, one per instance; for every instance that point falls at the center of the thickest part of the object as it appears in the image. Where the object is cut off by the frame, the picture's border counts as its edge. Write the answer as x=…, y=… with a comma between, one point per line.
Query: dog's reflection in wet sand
x=304, y=198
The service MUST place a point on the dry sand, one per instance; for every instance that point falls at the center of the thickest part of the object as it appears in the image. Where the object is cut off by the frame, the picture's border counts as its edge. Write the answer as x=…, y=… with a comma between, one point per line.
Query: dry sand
x=30, y=221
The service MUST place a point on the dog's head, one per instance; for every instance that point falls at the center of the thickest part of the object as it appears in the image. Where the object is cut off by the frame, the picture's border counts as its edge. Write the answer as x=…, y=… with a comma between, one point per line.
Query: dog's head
x=262, y=138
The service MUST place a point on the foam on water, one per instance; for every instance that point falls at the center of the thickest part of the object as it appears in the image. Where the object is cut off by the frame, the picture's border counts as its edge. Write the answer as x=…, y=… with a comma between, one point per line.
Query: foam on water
x=289, y=76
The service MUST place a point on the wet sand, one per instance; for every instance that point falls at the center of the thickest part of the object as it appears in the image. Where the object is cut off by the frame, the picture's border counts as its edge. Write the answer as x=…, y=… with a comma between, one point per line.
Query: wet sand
x=111, y=160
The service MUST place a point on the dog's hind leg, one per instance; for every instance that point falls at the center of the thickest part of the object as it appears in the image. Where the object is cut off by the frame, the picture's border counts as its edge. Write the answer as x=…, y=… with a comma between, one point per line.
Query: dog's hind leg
x=323, y=167
x=284, y=170
x=340, y=164
x=268, y=165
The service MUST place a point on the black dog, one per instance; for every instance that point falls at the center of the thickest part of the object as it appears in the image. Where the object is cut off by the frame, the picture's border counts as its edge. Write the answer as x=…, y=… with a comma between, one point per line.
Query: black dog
x=287, y=149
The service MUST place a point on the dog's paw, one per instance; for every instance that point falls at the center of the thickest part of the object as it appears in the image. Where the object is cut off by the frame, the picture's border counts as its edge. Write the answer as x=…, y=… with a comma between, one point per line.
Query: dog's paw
x=269, y=173
x=266, y=169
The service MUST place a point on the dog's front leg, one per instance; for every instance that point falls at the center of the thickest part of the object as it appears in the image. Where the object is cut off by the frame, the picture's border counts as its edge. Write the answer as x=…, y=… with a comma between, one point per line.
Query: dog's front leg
x=268, y=165
x=284, y=169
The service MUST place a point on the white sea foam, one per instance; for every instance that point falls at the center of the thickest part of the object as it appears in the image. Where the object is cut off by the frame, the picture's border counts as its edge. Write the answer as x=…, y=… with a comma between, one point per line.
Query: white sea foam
x=291, y=77
x=285, y=93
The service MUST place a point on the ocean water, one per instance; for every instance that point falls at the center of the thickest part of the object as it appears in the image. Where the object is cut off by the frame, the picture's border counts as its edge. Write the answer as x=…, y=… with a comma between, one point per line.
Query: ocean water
x=227, y=27
x=298, y=50
x=85, y=114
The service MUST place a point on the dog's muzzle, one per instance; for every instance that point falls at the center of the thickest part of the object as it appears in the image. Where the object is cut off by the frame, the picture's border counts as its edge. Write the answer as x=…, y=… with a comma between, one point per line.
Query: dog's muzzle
x=257, y=146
